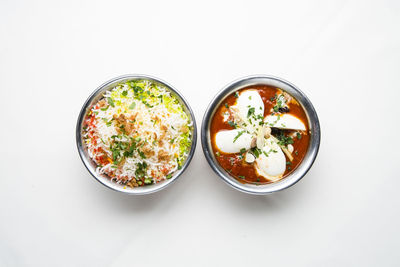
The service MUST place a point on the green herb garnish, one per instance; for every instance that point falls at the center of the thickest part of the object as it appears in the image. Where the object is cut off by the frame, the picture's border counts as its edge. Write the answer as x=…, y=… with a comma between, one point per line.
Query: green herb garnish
x=238, y=135
x=284, y=140
x=133, y=105
x=110, y=101
x=231, y=123
x=141, y=154
x=251, y=111
x=141, y=170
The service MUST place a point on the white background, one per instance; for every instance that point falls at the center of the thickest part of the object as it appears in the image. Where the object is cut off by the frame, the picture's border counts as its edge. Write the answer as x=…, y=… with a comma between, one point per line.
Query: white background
x=345, y=55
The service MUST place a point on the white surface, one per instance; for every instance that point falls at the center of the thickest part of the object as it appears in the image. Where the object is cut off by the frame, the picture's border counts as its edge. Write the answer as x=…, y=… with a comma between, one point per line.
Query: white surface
x=345, y=55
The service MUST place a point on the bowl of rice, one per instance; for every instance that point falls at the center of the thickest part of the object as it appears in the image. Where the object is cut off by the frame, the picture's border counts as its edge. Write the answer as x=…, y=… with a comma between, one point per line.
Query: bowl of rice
x=136, y=134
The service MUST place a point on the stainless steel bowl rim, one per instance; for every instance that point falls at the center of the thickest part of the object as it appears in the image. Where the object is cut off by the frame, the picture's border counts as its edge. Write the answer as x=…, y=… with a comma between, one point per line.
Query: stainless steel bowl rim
x=311, y=153
x=88, y=162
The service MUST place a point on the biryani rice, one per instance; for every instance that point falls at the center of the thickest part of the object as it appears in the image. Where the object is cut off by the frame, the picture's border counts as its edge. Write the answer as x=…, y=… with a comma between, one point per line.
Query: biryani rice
x=138, y=133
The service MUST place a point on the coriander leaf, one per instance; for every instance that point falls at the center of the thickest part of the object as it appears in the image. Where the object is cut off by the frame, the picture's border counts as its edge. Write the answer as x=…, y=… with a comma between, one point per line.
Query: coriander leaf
x=148, y=181
x=231, y=123
x=250, y=112
x=238, y=135
x=256, y=152
x=133, y=105
x=110, y=101
x=141, y=154
x=104, y=109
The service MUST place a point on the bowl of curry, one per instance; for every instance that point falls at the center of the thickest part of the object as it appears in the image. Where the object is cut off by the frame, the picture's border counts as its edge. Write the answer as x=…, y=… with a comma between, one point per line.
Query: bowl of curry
x=260, y=134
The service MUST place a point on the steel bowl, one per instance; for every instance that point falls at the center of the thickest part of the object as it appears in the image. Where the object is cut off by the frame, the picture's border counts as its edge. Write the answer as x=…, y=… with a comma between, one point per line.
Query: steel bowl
x=89, y=163
x=313, y=147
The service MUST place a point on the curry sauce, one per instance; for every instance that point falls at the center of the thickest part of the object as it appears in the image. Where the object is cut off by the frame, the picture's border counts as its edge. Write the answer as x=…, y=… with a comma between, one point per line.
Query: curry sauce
x=234, y=163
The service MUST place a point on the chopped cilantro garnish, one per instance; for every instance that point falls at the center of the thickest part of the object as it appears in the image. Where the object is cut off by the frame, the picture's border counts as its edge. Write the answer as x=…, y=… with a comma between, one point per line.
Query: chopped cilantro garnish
x=124, y=93
x=141, y=154
x=236, y=94
x=133, y=105
x=110, y=101
x=231, y=123
x=238, y=135
x=257, y=152
x=284, y=140
x=141, y=170
x=226, y=105
x=250, y=112
x=241, y=177
x=298, y=135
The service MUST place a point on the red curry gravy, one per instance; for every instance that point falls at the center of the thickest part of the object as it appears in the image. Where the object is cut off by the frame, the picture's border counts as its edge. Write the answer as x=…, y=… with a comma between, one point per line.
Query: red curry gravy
x=234, y=163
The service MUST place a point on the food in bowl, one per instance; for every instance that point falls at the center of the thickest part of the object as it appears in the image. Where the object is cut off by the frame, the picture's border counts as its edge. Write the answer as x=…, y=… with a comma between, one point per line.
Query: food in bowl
x=259, y=134
x=138, y=134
